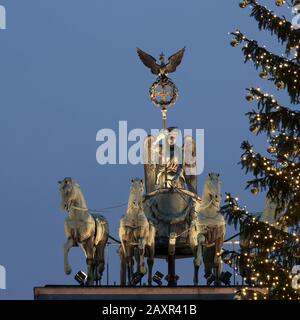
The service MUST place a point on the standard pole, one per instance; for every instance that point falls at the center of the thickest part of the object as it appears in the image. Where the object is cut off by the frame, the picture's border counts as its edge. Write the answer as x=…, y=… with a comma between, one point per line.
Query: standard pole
x=164, y=118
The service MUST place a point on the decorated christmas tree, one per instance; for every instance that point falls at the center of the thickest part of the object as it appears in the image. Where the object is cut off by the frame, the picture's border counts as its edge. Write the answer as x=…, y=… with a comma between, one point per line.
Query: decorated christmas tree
x=270, y=246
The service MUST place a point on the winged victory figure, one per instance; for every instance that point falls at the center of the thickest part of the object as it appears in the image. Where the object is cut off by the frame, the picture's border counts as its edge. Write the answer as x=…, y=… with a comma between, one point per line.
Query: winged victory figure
x=161, y=69
x=182, y=171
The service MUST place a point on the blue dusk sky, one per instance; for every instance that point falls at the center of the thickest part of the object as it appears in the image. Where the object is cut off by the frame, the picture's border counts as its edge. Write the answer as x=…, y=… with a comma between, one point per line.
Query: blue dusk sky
x=68, y=69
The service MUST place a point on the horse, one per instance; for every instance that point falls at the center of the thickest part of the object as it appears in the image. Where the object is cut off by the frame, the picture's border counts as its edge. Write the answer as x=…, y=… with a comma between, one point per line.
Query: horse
x=207, y=231
x=82, y=228
x=271, y=215
x=137, y=235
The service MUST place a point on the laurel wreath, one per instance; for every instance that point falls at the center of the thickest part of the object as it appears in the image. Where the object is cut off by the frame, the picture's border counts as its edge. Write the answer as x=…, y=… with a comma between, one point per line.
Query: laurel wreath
x=163, y=82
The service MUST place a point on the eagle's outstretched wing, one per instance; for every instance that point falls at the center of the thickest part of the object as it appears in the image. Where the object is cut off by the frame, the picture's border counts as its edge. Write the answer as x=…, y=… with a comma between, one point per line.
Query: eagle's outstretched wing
x=190, y=163
x=148, y=61
x=175, y=60
x=149, y=164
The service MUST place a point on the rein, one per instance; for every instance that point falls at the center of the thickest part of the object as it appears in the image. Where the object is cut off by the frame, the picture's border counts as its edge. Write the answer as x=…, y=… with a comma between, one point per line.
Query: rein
x=202, y=208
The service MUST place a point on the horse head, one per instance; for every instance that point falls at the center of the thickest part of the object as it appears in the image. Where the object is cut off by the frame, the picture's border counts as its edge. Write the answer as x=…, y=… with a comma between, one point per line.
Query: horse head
x=273, y=213
x=136, y=192
x=212, y=189
x=70, y=192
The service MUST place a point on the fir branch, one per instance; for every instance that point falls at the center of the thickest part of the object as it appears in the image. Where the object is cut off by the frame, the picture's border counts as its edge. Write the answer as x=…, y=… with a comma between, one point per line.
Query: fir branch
x=283, y=29
x=272, y=116
x=286, y=145
x=280, y=179
x=283, y=72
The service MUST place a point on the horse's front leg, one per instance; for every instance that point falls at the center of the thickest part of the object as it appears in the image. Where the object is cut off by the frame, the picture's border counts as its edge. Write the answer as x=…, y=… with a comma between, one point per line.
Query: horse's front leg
x=129, y=261
x=123, y=271
x=141, y=251
x=198, y=253
x=99, y=261
x=123, y=264
x=150, y=262
x=89, y=249
x=129, y=270
x=217, y=260
x=197, y=263
x=67, y=246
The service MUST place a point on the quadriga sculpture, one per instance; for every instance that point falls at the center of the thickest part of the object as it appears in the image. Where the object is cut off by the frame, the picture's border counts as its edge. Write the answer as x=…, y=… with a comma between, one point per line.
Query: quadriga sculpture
x=137, y=235
x=207, y=231
x=82, y=228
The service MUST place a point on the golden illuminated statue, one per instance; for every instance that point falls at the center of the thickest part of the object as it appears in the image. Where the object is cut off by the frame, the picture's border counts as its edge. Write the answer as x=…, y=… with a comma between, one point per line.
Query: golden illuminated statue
x=186, y=225
x=169, y=165
x=137, y=235
x=83, y=229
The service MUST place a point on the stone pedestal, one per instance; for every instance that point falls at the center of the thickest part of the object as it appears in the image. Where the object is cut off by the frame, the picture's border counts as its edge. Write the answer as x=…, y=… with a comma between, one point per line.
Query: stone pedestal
x=52, y=292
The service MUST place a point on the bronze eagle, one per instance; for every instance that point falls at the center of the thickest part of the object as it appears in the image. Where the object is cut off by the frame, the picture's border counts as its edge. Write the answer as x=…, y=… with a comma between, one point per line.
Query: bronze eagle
x=162, y=69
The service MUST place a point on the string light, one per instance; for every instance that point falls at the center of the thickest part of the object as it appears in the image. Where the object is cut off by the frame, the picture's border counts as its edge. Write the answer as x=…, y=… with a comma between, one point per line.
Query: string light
x=269, y=250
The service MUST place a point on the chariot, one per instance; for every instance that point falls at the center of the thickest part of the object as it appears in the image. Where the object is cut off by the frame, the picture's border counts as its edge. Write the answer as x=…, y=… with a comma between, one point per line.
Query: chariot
x=185, y=225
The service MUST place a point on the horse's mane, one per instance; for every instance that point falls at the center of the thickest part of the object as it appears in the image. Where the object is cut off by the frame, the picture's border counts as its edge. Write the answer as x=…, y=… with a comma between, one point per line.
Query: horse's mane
x=208, y=182
x=133, y=190
x=82, y=201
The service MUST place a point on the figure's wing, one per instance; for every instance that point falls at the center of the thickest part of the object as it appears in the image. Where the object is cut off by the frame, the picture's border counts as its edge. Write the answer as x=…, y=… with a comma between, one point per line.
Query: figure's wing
x=149, y=164
x=190, y=163
x=175, y=60
x=148, y=61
